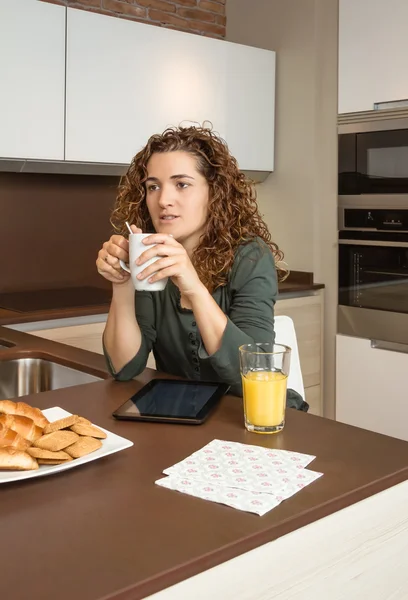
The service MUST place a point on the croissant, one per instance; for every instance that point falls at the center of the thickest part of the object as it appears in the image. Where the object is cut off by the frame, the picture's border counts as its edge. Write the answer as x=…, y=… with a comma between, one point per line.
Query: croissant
x=22, y=425
x=8, y=437
x=21, y=408
x=13, y=459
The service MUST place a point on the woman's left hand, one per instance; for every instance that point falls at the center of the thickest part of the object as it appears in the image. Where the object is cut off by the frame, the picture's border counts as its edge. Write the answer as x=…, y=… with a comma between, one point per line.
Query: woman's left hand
x=175, y=263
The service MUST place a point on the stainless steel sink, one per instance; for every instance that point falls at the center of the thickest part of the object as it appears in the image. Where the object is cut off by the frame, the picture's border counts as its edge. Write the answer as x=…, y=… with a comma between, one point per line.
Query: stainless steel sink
x=22, y=376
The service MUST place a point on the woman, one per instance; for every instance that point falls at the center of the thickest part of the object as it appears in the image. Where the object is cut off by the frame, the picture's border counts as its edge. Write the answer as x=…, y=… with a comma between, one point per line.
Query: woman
x=186, y=189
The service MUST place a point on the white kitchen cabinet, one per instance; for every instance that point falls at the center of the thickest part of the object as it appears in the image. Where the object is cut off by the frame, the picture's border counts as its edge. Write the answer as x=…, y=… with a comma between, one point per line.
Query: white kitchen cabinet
x=307, y=315
x=87, y=337
x=373, y=53
x=313, y=396
x=32, y=75
x=371, y=387
x=128, y=80
x=250, y=105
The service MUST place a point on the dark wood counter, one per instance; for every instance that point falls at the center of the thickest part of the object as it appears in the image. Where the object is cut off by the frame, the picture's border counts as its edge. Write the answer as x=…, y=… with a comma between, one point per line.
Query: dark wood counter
x=10, y=317
x=298, y=282
x=18, y=343
x=105, y=531
x=292, y=287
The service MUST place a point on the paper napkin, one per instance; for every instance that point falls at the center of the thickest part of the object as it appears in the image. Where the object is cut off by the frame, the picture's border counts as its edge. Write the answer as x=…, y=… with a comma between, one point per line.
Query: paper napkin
x=243, y=476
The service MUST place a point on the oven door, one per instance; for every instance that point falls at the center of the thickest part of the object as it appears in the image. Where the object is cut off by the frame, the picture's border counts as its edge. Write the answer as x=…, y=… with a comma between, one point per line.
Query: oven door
x=374, y=274
x=382, y=162
x=373, y=289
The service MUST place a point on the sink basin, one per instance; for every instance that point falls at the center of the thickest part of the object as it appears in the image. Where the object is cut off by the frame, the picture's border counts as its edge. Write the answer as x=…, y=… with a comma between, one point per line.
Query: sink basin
x=22, y=376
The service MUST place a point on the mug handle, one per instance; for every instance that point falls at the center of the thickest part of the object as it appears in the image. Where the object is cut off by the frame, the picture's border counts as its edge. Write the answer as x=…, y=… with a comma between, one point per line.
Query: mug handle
x=124, y=266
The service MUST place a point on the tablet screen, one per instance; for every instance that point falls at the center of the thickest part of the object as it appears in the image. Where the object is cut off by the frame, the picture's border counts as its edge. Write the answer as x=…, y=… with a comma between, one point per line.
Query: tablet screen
x=172, y=399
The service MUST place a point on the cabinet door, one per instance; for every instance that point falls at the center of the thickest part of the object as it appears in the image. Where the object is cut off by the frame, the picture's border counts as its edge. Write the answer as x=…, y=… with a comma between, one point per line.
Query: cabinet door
x=307, y=315
x=250, y=102
x=371, y=387
x=126, y=81
x=313, y=396
x=373, y=53
x=87, y=337
x=32, y=74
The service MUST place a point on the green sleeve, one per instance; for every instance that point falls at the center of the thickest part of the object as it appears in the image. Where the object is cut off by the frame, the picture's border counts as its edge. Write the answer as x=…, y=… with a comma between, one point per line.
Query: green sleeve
x=146, y=321
x=253, y=289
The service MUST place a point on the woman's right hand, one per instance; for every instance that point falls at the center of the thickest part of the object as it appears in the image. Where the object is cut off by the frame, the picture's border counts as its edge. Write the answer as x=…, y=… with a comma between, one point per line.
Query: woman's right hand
x=115, y=249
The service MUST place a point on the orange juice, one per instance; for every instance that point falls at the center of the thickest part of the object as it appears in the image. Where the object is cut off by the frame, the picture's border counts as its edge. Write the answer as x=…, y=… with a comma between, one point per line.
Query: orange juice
x=264, y=398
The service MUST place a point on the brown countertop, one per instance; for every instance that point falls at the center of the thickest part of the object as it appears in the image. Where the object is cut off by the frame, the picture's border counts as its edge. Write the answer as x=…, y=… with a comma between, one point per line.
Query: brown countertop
x=19, y=343
x=9, y=317
x=289, y=287
x=105, y=531
x=298, y=282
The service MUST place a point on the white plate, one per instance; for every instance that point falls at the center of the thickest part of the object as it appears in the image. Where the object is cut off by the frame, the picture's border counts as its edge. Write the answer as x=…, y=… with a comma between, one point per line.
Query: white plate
x=113, y=443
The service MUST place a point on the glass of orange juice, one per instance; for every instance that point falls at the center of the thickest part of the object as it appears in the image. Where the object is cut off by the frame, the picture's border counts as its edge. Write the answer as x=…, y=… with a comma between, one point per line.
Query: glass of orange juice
x=264, y=372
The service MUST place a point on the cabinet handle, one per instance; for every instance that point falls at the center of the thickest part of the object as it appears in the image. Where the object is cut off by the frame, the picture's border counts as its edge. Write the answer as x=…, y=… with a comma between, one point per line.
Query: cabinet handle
x=374, y=243
x=392, y=346
x=390, y=104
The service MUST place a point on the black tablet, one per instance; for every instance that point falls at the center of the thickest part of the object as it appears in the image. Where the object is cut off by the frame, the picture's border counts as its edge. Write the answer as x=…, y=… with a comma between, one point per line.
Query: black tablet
x=173, y=401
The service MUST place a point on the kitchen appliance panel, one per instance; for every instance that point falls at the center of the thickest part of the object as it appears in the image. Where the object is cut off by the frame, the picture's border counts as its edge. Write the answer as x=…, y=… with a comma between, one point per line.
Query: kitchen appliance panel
x=373, y=273
x=373, y=159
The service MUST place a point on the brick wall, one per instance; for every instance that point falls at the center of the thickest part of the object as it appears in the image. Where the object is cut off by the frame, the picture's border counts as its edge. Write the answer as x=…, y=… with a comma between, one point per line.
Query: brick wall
x=204, y=17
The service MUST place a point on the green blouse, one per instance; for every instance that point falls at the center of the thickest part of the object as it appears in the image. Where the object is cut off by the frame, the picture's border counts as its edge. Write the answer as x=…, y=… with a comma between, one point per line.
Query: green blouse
x=171, y=332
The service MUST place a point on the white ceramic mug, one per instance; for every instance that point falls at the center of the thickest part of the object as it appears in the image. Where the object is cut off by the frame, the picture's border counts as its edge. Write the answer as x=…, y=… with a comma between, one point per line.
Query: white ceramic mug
x=136, y=248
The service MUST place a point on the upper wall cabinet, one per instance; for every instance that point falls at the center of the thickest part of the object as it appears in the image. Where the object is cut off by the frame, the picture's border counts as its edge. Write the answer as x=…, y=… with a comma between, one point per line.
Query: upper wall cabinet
x=250, y=105
x=373, y=53
x=126, y=81
x=32, y=69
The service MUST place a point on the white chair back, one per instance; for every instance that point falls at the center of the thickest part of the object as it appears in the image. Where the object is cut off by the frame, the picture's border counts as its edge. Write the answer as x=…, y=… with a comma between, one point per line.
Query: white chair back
x=285, y=334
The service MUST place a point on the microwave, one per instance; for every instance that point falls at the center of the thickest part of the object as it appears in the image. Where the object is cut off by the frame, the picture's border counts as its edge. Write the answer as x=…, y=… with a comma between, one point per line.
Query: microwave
x=373, y=158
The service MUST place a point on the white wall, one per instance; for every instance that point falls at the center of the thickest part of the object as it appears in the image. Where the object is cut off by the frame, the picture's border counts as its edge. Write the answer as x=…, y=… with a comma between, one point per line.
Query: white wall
x=299, y=200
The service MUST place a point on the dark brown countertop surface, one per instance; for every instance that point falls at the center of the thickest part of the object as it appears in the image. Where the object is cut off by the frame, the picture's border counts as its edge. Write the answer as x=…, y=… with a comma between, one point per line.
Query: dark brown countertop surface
x=298, y=282
x=9, y=317
x=289, y=287
x=106, y=531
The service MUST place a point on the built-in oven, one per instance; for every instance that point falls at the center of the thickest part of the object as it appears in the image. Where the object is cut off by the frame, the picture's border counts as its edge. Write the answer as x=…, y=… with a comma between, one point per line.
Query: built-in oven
x=373, y=273
x=373, y=157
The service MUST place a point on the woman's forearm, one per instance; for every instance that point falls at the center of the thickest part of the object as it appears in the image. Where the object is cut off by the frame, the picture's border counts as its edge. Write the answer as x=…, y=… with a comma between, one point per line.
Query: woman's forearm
x=122, y=336
x=211, y=321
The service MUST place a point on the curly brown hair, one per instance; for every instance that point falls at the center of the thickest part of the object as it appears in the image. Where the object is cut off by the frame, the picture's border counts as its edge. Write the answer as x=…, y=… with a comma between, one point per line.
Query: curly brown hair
x=233, y=214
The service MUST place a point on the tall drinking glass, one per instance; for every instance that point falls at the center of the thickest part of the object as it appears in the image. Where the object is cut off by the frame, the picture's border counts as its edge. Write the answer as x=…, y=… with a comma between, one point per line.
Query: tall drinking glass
x=264, y=372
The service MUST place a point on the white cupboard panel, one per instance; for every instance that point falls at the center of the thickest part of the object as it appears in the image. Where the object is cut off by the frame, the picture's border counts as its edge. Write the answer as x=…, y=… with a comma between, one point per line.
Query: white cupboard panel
x=307, y=315
x=251, y=106
x=87, y=337
x=371, y=387
x=373, y=53
x=313, y=396
x=126, y=81
x=32, y=74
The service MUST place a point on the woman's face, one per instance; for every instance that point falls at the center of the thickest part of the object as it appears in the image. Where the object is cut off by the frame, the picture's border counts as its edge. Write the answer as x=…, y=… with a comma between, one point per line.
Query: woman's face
x=177, y=197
